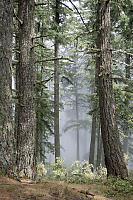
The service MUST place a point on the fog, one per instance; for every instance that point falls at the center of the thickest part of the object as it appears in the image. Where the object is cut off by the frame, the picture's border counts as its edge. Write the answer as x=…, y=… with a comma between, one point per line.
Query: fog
x=69, y=137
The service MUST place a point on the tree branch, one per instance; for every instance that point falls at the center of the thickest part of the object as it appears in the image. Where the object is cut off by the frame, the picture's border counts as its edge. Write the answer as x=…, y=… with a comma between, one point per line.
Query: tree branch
x=121, y=63
x=19, y=20
x=79, y=14
x=43, y=4
x=39, y=45
x=121, y=51
x=66, y=6
x=94, y=50
x=40, y=4
x=53, y=59
x=44, y=81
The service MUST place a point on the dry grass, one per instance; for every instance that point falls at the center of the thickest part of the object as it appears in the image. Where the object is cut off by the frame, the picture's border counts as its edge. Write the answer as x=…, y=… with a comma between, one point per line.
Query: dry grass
x=48, y=190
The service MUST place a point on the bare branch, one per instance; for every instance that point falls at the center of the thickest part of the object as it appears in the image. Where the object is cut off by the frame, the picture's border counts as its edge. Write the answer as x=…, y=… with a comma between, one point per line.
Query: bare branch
x=39, y=45
x=53, y=59
x=40, y=4
x=44, y=81
x=41, y=36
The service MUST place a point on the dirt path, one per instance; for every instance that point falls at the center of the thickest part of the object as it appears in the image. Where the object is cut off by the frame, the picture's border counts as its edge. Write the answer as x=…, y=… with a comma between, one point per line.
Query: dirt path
x=47, y=190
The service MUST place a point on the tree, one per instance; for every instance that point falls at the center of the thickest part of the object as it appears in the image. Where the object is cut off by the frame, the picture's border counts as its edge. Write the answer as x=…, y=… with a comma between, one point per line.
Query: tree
x=93, y=139
x=114, y=159
x=26, y=123
x=6, y=131
x=99, y=146
x=93, y=128
x=77, y=119
x=44, y=79
x=56, y=82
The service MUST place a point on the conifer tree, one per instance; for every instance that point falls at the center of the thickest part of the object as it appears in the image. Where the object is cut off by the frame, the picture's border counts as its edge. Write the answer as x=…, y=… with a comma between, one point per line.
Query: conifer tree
x=114, y=159
x=6, y=130
x=26, y=123
x=56, y=81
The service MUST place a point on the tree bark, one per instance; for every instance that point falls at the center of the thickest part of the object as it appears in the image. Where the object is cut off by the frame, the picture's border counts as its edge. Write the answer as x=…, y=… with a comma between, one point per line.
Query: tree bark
x=56, y=83
x=77, y=119
x=114, y=159
x=6, y=132
x=17, y=89
x=94, y=122
x=26, y=123
x=93, y=138
x=99, y=147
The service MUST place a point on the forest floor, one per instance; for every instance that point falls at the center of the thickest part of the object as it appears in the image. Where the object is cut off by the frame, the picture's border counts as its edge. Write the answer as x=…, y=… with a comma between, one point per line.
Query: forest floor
x=50, y=190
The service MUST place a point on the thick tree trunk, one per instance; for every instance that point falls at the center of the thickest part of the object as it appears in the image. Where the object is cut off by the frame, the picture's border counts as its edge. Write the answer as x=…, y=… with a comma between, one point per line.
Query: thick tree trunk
x=56, y=84
x=17, y=89
x=114, y=160
x=6, y=133
x=26, y=125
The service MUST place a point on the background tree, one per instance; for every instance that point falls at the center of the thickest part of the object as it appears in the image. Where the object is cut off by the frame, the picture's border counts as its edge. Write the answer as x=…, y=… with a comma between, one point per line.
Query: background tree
x=56, y=80
x=6, y=129
x=114, y=159
x=44, y=54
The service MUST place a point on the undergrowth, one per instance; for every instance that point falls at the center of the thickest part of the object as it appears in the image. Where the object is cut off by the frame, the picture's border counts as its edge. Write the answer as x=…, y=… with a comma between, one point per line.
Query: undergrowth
x=83, y=172
x=78, y=172
x=119, y=188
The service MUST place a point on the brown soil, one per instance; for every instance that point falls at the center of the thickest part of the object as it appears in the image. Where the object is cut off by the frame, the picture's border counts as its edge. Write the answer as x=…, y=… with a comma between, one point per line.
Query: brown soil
x=47, y=190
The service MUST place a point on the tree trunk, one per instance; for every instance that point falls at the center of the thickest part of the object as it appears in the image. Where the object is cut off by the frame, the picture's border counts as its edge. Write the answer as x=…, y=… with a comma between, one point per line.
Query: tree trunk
x=26, y=125
x=77, y=120
x=56, y=84
x=103, y=158
x=6, y=133
x=99, y=147
x=114, y=159
x=40, y=129
x=94, y=123
x=93, y=138
x=17, y=89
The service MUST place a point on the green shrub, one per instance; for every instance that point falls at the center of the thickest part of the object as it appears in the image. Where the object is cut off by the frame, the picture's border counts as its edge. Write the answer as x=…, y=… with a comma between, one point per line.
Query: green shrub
x=58, y=169
x=117, y=187
x=41, y=171
x=78, y=172
x=122, y=186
